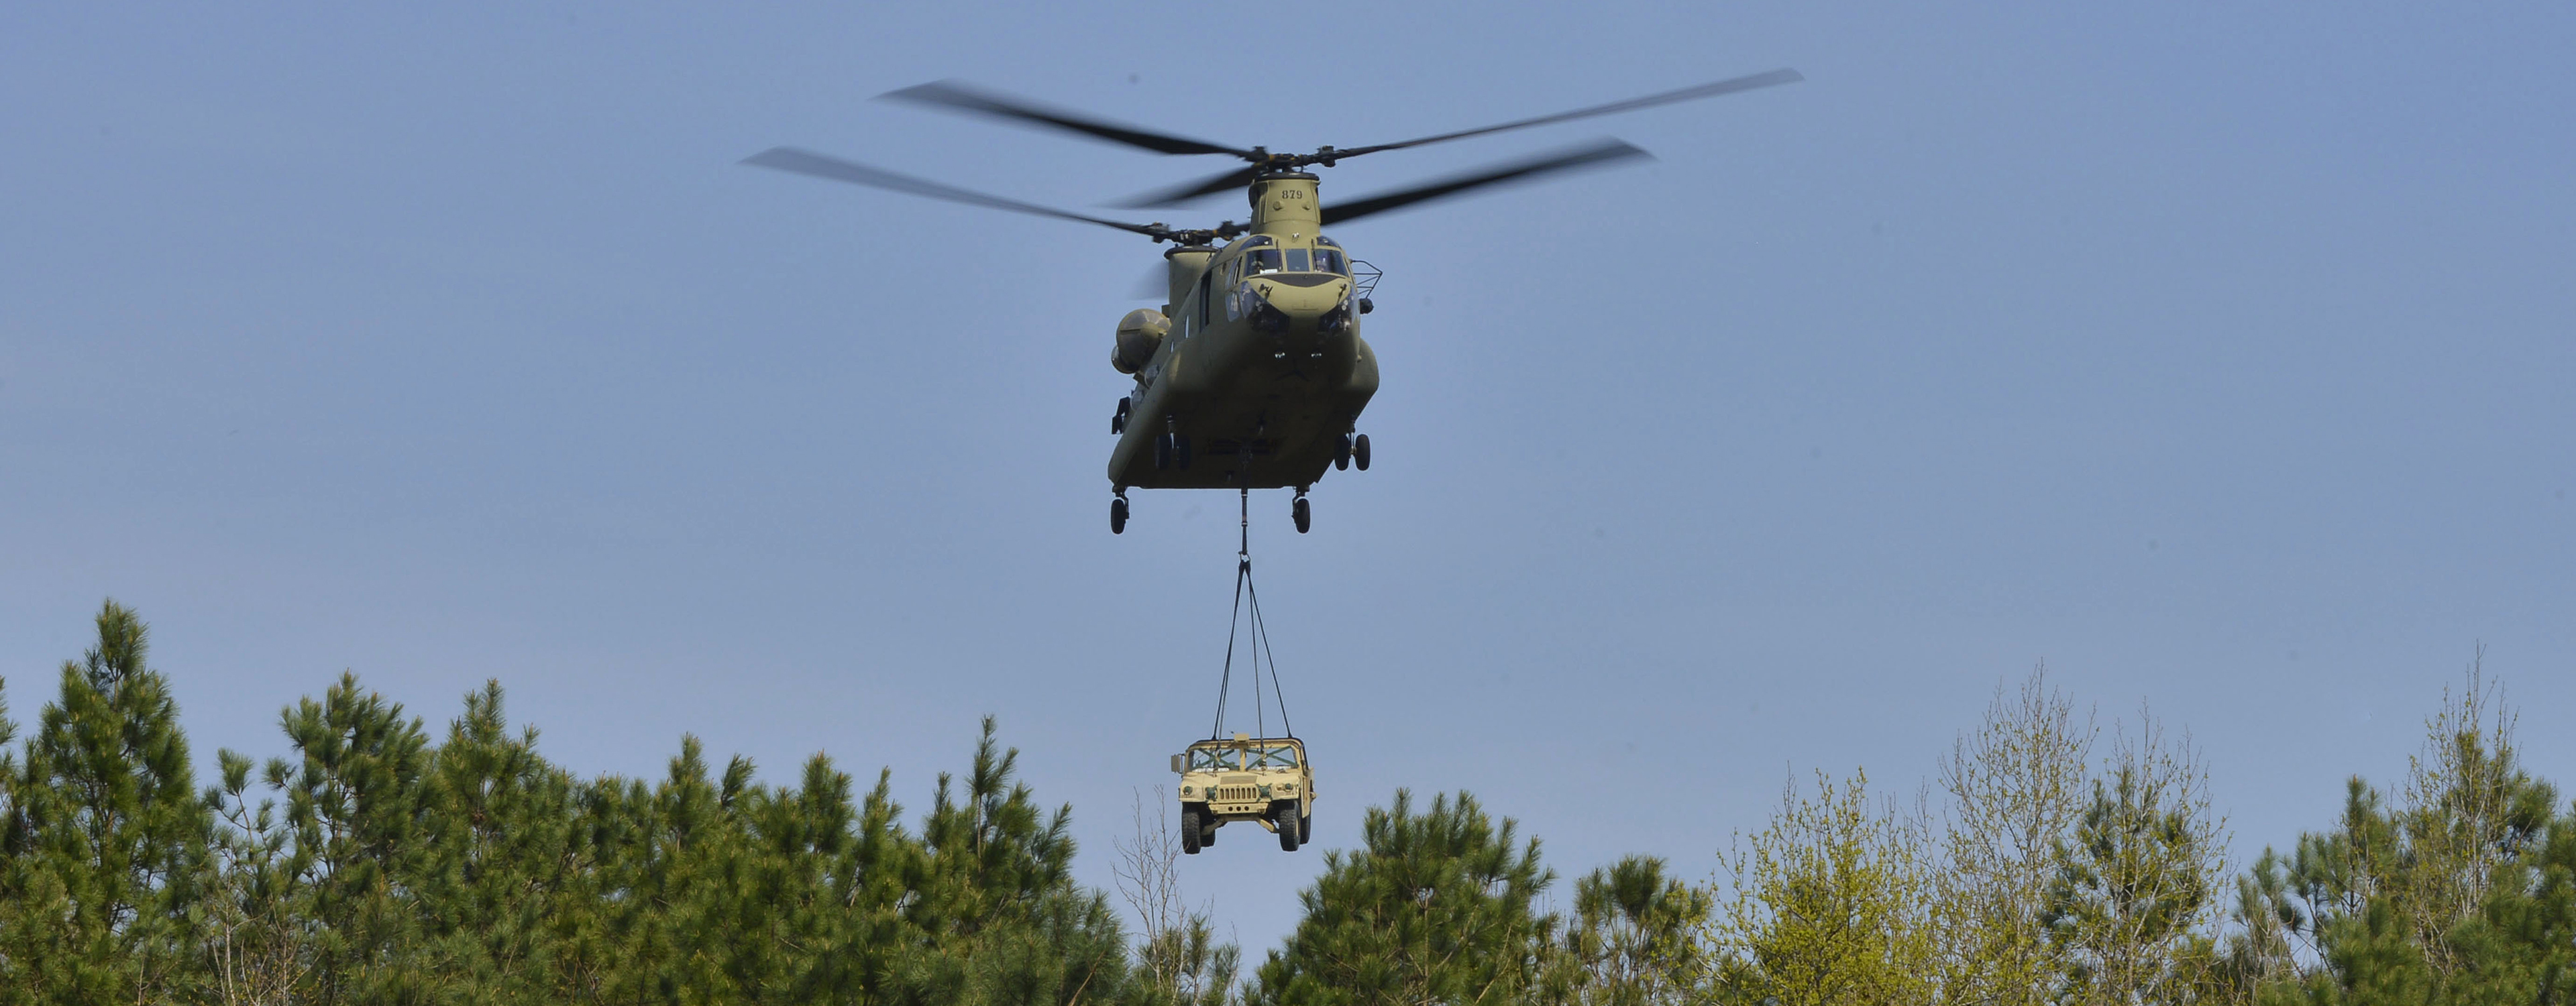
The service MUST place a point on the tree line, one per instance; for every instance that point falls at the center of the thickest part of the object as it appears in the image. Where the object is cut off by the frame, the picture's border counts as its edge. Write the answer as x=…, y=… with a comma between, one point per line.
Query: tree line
x=2049, y=861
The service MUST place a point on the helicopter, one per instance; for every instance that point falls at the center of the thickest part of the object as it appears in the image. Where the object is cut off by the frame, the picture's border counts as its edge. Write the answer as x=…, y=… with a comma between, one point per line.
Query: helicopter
x=1255, y=354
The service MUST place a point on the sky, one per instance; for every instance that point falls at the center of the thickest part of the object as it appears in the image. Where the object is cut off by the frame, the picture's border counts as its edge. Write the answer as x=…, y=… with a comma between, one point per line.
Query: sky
x=2217, y=359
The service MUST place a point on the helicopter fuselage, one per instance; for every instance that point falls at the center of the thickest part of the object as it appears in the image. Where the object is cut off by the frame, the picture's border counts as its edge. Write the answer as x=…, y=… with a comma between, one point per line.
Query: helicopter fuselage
x=1261, y=373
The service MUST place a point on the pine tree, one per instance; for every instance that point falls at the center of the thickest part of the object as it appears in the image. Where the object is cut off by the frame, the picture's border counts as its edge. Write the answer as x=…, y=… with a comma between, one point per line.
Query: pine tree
x=998, y=915
x=502, y=874
x=664, y=856
x=2134, y=905
x=257, y=933
x=1634, y=939
x=108, y=837
x=1437, y=908
x=354, y=808
x=2461, y=892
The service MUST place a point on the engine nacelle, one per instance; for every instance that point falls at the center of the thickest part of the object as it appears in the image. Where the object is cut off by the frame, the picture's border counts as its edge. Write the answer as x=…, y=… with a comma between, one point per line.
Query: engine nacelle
x=1140, y=333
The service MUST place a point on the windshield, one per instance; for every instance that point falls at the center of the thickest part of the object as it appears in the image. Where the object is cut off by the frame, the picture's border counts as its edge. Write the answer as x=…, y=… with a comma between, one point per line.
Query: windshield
x=1269, y=260
x=1232, y=759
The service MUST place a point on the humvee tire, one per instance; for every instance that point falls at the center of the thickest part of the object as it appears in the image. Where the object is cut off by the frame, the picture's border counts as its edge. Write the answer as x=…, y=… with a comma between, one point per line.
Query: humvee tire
x=1190, y=832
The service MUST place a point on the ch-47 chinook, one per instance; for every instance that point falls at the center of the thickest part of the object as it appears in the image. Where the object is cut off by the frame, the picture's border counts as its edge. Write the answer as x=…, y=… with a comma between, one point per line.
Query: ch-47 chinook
x=1253, y=374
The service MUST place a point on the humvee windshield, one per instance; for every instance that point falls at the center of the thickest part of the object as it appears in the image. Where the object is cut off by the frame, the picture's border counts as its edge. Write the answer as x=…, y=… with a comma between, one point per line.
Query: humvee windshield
x=1242, y=759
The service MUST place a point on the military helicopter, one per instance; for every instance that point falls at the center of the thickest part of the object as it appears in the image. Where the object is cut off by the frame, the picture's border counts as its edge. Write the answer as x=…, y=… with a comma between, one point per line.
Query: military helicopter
x=1256, y=351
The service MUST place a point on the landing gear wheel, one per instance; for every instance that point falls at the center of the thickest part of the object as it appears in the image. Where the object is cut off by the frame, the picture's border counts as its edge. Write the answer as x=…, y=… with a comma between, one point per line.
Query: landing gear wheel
x=1342, y=452
x=1359, y=451
x=1305, y=516
x=1181, y=450
x=1287, y=830
x=1118, y=515
x=1163, y=452
x=1190, y=832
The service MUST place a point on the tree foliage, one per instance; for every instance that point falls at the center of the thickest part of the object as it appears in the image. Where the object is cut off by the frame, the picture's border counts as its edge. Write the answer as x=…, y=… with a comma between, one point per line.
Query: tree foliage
x=106, y=836
x=375, y=865
x=1635, y=938
x=2458, y=892
x=2016, y=786
x=381, y=860
x=1830, y=904
x=1438, y=907
x=2133, y=904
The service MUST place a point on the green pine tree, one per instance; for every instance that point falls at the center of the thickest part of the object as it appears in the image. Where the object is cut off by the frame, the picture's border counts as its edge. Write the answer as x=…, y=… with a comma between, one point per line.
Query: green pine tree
x=501, y=880
x=107, y=838
x=354, y=795
x=1634, y=939
x=998, y=916
x=2459, y=893
x=1437, y=908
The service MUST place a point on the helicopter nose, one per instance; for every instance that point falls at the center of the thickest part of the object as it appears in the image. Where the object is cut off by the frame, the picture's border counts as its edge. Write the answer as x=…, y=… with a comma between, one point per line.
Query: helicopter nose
x=1300, y=304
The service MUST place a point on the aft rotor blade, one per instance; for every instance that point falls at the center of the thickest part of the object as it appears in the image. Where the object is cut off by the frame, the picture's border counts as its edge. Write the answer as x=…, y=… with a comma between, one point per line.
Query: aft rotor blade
x=1765, y=79
x=956, y=95
x=806, y=162
x=1177, y=194
x=1602, y=153
x=1152, y=284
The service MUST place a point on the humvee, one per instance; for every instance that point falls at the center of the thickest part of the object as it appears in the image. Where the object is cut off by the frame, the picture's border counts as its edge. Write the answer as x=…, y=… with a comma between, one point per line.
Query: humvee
x=1264, y=780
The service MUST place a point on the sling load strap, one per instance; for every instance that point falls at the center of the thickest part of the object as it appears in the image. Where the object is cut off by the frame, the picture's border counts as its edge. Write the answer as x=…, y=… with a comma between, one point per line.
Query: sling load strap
x=1261, y=636
x=1257, y=650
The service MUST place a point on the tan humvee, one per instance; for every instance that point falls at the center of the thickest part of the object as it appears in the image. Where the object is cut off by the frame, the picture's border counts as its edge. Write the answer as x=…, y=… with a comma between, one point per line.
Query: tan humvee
x=1265, y=780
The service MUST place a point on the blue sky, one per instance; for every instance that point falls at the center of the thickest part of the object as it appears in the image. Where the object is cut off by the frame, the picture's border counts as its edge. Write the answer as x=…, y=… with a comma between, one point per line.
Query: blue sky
x=2218, y=358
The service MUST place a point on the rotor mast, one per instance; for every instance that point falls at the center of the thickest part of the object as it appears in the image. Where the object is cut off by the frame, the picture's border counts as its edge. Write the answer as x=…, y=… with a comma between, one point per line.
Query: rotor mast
x=1285, y=203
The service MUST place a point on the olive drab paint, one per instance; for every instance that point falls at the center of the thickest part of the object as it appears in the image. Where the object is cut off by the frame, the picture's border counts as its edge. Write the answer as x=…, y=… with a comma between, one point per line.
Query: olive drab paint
x=1268, y=323
x=1261, y=405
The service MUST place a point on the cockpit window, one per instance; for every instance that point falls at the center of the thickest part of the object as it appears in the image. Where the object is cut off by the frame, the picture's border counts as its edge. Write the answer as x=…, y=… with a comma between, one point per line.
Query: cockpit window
x=1261, y=261
x=1325, y=242
x=1327, y=260
x=1260, y=241
x=1297, y=260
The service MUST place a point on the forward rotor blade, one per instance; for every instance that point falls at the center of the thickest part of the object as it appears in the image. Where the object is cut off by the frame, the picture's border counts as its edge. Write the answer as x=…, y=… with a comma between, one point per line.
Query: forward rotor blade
x=952, y=94
x=1178, y=194
x=1602, y=153
x=805, y=162
x=1747, y=83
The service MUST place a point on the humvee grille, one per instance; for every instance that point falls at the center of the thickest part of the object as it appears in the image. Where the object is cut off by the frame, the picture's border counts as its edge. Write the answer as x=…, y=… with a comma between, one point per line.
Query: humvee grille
x=1236, y=794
